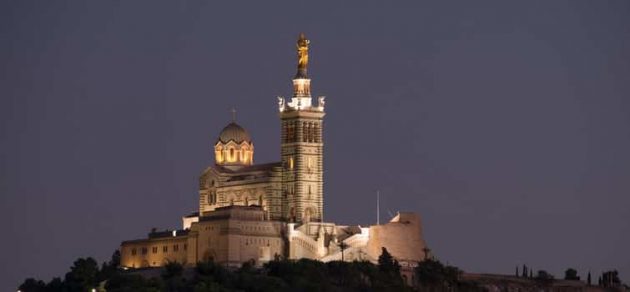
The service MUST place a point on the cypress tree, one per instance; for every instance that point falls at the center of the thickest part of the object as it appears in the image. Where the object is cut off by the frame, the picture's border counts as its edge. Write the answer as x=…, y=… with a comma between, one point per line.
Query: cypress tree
x=588, y=278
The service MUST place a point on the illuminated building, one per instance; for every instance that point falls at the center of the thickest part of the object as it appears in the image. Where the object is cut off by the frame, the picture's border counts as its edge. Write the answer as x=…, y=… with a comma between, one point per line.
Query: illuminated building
x=256, y=212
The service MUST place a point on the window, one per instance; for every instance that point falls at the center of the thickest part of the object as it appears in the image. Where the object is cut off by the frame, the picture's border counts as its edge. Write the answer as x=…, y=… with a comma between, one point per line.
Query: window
x=154, y=249
x=185, y=246
x=133, y=251
x=291, y=162
x=175, y=247
x=290, y=133
x=309, y=164
x=311, y=133
x=165, y=249
x=144, y=250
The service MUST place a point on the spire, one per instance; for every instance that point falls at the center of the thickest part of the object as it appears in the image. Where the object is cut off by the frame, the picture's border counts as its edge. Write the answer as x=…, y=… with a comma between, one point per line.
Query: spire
x=302, y=50
x=233, y=110
x=301, y=99
x=301, y=82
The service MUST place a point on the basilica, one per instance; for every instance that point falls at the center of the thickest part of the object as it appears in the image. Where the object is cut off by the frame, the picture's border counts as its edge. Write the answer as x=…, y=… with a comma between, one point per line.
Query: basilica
x=257, y=212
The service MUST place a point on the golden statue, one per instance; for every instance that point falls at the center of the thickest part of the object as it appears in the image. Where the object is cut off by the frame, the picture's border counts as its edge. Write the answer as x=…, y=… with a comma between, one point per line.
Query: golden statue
x=302, y=46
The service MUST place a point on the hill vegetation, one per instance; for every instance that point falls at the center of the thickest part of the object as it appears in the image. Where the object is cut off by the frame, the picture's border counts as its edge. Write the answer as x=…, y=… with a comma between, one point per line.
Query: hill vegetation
x=277, y=275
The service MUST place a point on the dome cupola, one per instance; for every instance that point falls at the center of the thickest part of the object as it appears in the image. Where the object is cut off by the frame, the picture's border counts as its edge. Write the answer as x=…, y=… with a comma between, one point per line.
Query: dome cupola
x=234, y=148
x=234, y=132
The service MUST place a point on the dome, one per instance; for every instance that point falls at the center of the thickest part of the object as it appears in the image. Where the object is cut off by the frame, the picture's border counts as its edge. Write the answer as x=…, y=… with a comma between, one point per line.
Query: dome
x=234, y=132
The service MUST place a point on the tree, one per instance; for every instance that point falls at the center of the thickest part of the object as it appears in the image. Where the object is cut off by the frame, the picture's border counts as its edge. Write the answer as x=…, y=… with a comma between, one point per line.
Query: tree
x=55, y=285
x=342, y=246
x=610, y=279
x=434, y=275
x=172, y=270
x=128, y=282
x=544, y=278
x=387, y=263
x=571, y=274
x=108, y=269
x=172, y=276
x=524, y=271
x=588, y=278
x=83, y=275
x=32, y=285
x=516, y=274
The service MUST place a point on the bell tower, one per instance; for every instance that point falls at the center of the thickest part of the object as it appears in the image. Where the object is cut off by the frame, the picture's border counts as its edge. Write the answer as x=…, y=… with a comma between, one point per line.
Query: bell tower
x=302, y=147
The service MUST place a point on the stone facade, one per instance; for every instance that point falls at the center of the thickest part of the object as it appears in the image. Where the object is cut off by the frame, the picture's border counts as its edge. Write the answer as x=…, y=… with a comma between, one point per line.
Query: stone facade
x=230, y=235
x=302, y=153
x=255, y=212
x=259, y=185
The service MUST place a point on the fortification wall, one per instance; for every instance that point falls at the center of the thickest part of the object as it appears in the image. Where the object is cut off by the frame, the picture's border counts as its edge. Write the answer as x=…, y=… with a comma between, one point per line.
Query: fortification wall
x=402, y=237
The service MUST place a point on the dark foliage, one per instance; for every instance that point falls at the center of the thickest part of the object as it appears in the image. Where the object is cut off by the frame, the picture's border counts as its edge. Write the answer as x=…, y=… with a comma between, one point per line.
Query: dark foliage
x=277, y=275
x=571, y=274
x=544, y=278
x=610, y=279
x=83, y=275
x=108, y=269
x=32, y=285
x=434, y=276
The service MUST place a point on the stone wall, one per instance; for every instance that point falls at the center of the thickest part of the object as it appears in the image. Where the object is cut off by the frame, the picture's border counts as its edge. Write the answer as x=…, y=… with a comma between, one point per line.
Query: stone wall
x=154, y=252
x=402, y=237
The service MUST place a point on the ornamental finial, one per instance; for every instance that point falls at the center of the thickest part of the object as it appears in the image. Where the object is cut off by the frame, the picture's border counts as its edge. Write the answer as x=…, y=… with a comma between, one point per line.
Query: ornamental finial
x=302, y=50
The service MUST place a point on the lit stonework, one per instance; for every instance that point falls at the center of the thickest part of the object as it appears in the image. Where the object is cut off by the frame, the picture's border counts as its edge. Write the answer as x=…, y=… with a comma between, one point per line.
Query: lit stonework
x=256, y=212
x=302, y=147
x=234, y=147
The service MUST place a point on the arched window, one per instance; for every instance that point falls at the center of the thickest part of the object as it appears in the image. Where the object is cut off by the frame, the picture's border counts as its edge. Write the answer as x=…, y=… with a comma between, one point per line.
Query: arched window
x=218, y=154
x=311, y=133
x=309, y=164
x=290, y=132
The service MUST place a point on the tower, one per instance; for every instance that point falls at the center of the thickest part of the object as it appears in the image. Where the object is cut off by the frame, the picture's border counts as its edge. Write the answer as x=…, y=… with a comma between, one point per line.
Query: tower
x=302, y=147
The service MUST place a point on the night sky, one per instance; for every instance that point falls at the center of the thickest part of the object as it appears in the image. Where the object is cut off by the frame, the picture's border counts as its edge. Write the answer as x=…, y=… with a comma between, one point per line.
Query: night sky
x=506, y=126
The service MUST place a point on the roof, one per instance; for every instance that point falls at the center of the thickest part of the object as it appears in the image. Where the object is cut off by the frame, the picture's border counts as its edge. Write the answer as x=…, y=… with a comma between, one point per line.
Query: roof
x=157, y=235
x=234, y=132
x=250, y=168
x=247, y=213
x=191, y=215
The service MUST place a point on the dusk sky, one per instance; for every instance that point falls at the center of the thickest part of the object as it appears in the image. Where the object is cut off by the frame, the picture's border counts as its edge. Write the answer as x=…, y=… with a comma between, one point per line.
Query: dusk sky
x=504, y=124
